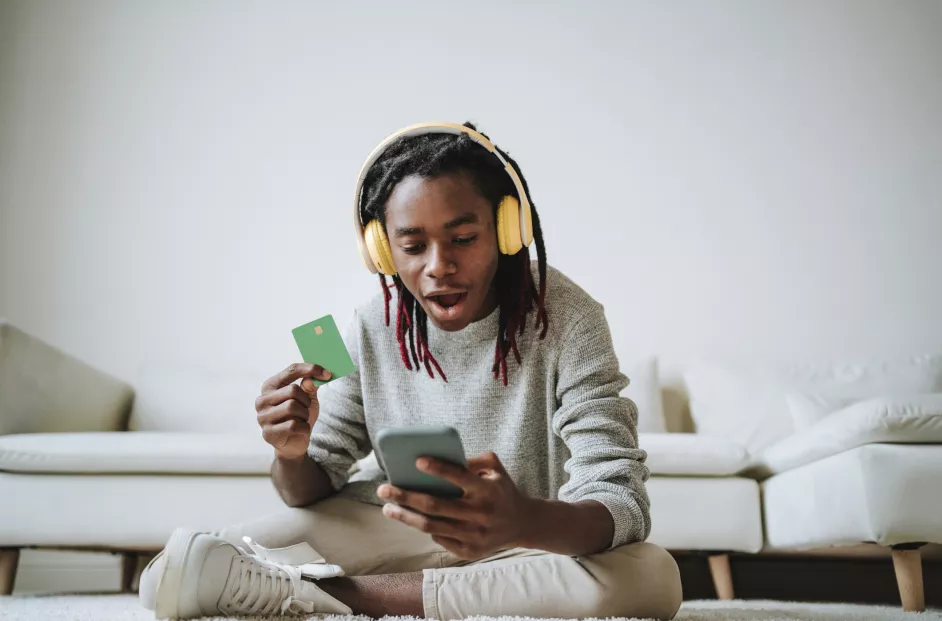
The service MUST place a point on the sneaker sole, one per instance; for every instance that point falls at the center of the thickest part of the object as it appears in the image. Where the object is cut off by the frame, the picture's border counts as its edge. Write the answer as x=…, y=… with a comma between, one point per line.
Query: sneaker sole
x=168, y=589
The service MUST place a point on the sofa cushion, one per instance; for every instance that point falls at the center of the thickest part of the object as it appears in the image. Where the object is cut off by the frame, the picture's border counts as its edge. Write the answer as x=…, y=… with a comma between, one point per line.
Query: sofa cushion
x=121, y=511
x=695, y=513
x=183, y=397
x=44, y=389
x=756, y=403
x=644, y=388
x=882, y=493
x=136, y=453
x=915, y=419
x=690, y=454
x=818, y=392
x=741, y=403
x=142, y=511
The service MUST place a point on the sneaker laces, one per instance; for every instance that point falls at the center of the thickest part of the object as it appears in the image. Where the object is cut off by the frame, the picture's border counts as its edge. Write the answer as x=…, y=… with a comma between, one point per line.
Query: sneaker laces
x=266, y=586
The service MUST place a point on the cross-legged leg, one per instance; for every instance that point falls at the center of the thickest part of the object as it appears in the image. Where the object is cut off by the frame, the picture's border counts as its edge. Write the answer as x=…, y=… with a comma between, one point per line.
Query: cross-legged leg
x=392, y=569
x=201, y=574
x=635, y=580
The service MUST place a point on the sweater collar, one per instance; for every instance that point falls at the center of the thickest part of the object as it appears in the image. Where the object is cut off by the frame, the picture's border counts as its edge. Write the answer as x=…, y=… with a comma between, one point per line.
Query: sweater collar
x=481, y=330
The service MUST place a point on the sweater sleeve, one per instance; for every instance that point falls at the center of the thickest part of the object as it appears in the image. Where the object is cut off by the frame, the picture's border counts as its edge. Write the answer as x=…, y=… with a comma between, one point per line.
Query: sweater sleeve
x=340, y=437
x=599, y=427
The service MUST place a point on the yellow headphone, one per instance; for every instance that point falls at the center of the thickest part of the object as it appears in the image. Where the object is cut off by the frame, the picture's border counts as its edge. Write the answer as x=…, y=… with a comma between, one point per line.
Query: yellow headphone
x=514, y=224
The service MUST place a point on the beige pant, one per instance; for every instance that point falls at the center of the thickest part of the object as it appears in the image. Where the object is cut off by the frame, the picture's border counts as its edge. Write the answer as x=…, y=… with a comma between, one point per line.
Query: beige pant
x=636, y=580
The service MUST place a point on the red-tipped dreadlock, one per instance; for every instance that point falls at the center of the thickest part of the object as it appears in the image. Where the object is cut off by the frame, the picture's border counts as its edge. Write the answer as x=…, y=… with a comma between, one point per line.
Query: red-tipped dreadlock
x=431, y=155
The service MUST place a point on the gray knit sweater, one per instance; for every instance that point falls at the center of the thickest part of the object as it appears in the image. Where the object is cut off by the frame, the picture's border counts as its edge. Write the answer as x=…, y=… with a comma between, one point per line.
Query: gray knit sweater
x=560, y=426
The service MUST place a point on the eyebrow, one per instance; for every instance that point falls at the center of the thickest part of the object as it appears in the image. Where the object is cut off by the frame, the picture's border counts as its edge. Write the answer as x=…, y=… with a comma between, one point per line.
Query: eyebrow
x=468, y=218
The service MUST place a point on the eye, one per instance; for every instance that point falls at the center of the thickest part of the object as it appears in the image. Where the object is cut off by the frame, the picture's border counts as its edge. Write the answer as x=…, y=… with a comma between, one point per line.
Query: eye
x=413, y=249
x=464, y=241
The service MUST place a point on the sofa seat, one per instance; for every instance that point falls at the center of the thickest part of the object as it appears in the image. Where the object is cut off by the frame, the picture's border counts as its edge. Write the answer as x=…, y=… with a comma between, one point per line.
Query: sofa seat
x=706, y=514
x=137, y=452
x=689, y=454
x=131, y=489
x=913, y=420
x=121, y=511
x=152, y=452
x=882, y=493
x=140, y=511
x=691, y=472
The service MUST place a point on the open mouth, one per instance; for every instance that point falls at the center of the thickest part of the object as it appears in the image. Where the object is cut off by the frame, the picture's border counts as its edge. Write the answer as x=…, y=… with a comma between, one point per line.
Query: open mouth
x=448, y=306
x=447, y=301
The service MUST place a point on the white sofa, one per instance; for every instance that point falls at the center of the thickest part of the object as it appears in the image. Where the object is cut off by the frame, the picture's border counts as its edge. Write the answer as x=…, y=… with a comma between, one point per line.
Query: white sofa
x=845, y=453
x=88, y=463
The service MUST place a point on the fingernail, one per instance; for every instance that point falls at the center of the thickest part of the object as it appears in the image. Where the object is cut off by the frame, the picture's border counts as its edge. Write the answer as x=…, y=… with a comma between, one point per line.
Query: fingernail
x=391, y=510
x=326, y=374
x=423, y=464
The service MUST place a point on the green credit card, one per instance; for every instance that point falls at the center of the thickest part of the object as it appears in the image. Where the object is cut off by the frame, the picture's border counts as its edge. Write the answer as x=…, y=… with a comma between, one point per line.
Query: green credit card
x=320, y=343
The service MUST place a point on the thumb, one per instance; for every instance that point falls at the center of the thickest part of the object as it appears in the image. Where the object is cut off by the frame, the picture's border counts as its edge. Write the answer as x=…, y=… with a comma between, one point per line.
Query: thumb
x=307, y=385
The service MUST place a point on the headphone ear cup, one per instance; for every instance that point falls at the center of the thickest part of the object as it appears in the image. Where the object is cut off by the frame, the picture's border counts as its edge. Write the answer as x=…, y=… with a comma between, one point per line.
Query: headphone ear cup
x=508, y=225
x=378, y=246
x=501, y=235
x=526, y=235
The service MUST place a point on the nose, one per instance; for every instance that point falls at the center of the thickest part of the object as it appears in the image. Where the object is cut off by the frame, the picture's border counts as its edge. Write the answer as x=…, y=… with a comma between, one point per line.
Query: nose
x=440, y=262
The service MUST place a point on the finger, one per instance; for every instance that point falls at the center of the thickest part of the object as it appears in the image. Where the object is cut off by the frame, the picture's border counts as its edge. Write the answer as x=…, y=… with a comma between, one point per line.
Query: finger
x=308, y=386
x=424, y=503
x=453, y=473
x=279, y=435
x=293, y=372
x=424, y=523
x=291, y=391
x=486, y=465
x=283, y=412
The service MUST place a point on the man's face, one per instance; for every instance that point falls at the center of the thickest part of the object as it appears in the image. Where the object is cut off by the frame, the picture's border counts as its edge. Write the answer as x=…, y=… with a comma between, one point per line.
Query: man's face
x=444, y=245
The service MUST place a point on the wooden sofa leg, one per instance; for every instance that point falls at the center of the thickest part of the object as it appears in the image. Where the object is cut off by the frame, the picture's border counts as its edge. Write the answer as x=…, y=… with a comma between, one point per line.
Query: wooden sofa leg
x=128, y=571
x=907, y=563
x=722, y=575
x=9, y=559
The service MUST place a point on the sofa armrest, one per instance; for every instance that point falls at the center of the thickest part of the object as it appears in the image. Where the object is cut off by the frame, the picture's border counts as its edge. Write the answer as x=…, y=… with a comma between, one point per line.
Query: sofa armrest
x=43, y=389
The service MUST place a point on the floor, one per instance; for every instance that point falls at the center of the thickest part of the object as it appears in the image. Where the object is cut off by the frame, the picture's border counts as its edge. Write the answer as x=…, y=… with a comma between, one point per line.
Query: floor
x=127, y=608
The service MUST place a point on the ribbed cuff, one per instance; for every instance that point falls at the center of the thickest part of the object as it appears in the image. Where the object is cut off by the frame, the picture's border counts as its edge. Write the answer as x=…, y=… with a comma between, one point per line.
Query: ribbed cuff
x=628, y=520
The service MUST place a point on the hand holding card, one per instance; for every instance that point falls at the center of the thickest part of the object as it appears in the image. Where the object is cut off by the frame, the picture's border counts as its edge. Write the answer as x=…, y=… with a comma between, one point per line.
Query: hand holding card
x=320, y=343
x=286, y=411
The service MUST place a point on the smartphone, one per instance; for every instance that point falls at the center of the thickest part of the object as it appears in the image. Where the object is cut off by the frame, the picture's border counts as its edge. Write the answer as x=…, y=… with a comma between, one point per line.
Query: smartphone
x=320, y=342
x=398, y=448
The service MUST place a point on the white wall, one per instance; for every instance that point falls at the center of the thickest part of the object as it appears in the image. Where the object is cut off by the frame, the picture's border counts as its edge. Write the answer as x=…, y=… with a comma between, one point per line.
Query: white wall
x=754, y=177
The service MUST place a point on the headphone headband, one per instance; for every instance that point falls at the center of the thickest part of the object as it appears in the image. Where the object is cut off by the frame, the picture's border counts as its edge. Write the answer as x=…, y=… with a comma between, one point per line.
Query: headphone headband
x=417, y=130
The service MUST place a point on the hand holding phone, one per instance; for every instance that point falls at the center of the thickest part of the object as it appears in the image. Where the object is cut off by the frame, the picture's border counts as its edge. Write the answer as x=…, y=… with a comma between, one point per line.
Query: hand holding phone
x=491, y=514
x=399, y=448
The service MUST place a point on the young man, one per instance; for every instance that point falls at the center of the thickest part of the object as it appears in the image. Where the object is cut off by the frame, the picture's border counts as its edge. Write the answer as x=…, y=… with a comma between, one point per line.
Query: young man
x=519, y=360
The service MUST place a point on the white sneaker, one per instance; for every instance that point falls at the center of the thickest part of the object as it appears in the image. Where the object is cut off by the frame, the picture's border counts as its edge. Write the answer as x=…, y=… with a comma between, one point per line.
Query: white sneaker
x=199, y=575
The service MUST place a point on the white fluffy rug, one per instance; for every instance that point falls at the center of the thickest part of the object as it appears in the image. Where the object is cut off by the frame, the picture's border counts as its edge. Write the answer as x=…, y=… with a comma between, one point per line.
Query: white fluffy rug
x=127, y=608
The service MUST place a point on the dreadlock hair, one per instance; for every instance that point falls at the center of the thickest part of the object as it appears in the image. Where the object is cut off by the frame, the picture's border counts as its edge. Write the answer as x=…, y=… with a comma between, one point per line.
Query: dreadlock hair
x=433, y=155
